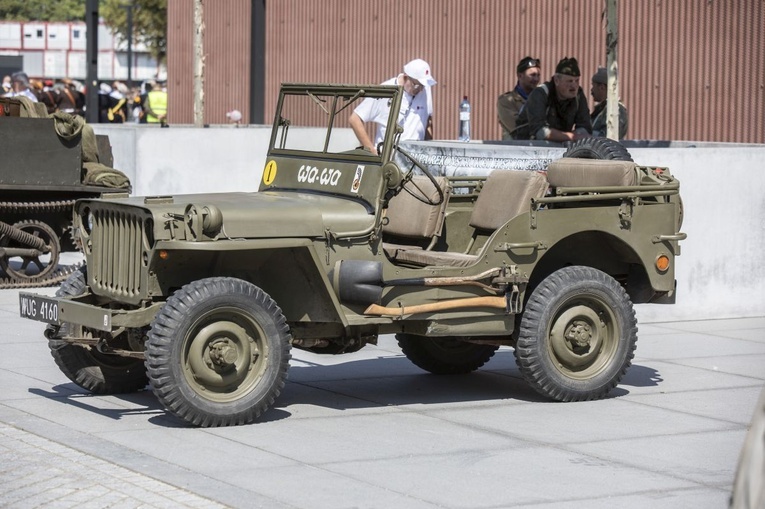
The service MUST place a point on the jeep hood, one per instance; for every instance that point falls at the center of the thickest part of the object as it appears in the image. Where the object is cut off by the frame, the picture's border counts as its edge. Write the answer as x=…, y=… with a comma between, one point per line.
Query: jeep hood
x=268, y=214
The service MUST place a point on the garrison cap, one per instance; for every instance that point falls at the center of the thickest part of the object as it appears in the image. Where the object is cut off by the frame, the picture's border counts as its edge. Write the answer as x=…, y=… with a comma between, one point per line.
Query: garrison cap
x=568, y=66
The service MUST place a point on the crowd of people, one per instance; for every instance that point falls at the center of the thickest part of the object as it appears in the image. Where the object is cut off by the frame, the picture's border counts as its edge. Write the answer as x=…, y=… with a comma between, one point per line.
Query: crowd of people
x=117, y=102
x=555, y=110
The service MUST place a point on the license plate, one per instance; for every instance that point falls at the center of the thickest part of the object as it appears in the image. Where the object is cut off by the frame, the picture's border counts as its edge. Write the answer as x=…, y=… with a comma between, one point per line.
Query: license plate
x=36, y=307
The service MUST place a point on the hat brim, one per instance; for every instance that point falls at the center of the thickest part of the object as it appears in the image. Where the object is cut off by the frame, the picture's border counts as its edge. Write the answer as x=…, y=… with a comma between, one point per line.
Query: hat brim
x=427, y=80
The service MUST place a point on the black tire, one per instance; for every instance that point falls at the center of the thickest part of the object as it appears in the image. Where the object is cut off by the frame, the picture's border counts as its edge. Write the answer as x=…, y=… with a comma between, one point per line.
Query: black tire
x=218, y=352
x=578, y=335
x=96, y=372
x=444, y=356
x=598, y=148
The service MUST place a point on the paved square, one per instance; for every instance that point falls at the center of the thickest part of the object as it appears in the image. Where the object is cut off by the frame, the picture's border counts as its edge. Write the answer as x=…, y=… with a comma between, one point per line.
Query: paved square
x=372, y=430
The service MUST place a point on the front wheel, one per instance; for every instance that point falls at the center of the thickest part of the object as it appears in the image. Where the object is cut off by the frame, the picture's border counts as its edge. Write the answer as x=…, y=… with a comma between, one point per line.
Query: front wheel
x=92, y=370
x=578, y=335
x=218, y=352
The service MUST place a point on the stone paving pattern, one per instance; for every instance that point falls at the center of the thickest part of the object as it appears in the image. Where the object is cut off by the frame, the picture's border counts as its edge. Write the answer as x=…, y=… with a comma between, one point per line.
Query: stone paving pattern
x=370, y=430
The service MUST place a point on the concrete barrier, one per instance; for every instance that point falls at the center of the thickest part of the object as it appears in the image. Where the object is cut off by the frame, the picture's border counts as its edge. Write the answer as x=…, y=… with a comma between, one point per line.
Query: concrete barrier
x=720, y=272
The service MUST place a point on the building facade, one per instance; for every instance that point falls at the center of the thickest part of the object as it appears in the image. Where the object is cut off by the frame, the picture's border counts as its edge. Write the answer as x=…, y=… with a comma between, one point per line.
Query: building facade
x=58, y=50
x=688, y=70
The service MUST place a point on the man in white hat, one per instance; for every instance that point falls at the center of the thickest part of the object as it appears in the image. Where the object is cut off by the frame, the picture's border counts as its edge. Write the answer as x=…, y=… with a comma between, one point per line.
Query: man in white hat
x=415, y=115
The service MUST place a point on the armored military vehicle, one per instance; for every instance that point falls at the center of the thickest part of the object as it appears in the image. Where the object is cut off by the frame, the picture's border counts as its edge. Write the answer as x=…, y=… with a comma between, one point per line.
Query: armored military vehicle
x=203, y=296
x=41, y=177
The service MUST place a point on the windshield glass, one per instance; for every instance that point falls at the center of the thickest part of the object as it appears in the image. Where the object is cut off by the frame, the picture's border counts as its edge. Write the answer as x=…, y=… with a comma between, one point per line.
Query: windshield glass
x=315, y=119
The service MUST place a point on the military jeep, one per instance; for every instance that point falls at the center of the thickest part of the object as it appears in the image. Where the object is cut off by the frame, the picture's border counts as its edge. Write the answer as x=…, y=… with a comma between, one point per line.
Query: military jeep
x=203, y=296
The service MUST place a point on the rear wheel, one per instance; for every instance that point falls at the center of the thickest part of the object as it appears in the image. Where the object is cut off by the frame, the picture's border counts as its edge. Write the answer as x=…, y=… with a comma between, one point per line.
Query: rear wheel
x=445, y=356
x=578, y=335
x=218, y=352
x=87, y=367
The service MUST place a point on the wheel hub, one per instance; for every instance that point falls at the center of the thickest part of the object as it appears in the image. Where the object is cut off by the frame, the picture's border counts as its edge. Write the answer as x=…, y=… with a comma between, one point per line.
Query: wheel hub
x=579, y=334
x=222, y=354
x=576, y=337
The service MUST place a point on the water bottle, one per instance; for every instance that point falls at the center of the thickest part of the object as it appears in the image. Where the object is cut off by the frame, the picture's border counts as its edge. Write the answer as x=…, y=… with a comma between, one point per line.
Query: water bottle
x=464, y=132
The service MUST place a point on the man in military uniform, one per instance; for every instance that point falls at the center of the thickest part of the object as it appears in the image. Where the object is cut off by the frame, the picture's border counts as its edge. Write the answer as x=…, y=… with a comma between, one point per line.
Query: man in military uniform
x=599, y=92
x=556, y=110
x=71, y=100
x=510, y=103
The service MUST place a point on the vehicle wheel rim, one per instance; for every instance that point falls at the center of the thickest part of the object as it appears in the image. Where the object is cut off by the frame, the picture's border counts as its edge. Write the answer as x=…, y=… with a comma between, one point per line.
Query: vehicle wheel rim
x=32, y=267
x=224, y=355
x=584, y=336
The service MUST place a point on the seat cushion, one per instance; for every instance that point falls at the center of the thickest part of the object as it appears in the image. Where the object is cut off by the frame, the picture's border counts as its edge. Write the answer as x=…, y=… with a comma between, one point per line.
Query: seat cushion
x=440, y=258
x=506, y=194
x=573, y=172
x=392, y=250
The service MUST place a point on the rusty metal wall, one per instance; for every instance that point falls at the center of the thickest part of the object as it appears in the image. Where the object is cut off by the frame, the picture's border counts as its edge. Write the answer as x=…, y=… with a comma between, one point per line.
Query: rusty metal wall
x=689, y=70
x=227, y=62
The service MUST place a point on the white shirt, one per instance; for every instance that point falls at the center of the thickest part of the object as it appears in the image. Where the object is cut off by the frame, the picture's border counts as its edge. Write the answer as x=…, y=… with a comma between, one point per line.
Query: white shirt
x=26, y=93
x=413, y=115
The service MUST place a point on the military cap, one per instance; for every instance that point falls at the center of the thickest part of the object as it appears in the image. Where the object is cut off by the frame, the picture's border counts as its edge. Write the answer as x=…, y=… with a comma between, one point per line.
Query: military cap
x=528, y=63
x=601, y=76
x=568, y=66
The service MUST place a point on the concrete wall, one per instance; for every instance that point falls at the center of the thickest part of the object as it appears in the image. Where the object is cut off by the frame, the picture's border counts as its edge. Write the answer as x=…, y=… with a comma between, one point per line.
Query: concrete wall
x=720, y=272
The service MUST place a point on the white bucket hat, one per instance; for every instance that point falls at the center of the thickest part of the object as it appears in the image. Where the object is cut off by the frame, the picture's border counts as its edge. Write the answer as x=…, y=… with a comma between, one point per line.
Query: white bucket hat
x=420, y=70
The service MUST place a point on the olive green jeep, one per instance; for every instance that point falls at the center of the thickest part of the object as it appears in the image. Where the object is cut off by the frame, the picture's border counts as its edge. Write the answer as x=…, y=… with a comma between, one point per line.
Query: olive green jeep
x=203, y=296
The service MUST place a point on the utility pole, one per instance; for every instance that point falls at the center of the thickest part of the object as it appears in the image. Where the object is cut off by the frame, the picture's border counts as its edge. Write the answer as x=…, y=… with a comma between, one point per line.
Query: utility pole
x=129, y=8
x=199, y=65
x=91, y=88
x=612, y=44
x=258, y=65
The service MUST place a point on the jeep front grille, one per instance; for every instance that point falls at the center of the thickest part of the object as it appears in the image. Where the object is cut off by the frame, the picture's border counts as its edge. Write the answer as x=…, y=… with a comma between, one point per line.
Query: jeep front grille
x=116, y=258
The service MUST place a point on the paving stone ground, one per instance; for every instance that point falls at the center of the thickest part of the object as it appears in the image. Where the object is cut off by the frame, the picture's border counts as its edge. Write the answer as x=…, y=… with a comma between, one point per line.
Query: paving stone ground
x=36, y=472
x=371, y=430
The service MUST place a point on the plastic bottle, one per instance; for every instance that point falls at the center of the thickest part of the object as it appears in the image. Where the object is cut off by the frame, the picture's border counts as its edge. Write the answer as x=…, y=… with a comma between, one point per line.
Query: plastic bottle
x=464, y=131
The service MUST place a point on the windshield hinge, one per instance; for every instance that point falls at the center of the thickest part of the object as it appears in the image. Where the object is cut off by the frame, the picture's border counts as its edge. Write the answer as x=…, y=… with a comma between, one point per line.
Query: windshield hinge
x=328, y=236
x=625, y=213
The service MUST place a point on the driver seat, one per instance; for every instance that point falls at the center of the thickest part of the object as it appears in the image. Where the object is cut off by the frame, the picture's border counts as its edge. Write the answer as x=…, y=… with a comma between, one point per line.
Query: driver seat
x=412, y=224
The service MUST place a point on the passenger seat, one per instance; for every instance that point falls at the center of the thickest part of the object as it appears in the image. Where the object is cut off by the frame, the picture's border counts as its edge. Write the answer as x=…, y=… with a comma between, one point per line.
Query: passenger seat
x=505, y=195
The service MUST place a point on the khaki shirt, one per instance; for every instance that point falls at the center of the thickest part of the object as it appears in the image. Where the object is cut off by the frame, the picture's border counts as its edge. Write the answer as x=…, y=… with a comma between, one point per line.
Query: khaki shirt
x=509, y=105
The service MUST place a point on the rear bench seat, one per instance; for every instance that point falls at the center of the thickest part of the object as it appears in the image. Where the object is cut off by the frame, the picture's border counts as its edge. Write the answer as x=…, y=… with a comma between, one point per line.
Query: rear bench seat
x=505, y=195
x=572, y=172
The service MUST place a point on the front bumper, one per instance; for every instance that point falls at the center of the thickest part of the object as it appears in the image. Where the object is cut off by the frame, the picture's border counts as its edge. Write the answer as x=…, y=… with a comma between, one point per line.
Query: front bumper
x=58, y=310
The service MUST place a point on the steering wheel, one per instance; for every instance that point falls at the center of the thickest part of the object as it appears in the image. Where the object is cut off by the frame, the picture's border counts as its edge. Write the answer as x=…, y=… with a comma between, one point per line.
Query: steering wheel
x=407, y=183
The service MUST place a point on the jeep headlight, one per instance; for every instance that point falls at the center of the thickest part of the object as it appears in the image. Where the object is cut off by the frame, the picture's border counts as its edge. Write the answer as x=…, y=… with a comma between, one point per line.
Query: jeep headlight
x=203, y=221
x=87, y=220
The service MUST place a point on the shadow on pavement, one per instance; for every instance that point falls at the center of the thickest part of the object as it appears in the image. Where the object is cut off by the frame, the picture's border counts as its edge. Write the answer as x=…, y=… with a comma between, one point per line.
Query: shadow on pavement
x=642, y=376
x=359, y=384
